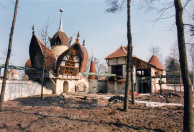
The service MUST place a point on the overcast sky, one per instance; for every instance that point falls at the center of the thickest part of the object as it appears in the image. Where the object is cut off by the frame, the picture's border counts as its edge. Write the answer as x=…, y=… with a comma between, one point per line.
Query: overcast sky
x=103, y=32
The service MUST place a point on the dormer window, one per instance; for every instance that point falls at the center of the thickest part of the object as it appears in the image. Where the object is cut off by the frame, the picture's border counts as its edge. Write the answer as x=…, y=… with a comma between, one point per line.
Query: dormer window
x=58, y=41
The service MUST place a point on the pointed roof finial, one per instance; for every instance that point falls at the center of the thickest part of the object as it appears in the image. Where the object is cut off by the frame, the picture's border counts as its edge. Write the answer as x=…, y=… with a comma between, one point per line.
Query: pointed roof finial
x=33, y=29
x=92, y=68
x=83, y=43
x=78, y=35
x=61, y=24
x=92, y=56
x=77, y=40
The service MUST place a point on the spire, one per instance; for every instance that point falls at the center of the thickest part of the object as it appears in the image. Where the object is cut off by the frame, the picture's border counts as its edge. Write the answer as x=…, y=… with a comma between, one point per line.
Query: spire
x=83, y=43
x=77, y=39
x=92, y=68
x=61, y=24
x=92, y=56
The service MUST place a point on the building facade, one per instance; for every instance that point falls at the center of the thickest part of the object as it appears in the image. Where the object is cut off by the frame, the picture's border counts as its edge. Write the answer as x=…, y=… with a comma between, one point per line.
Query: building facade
x=142, y=73
x=63, y=63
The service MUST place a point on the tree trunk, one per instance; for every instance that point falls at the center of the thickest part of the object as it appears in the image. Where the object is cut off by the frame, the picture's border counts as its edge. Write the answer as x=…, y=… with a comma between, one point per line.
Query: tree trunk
x=188, y=98
x=129, y=59
x=8, y=57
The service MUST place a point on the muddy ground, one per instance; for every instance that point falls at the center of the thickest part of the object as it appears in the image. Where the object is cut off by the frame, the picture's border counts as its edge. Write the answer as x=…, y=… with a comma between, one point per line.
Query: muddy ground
x=87, y=112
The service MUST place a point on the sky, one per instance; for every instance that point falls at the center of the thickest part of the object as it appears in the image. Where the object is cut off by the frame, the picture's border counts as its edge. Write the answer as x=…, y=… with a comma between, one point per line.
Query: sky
x=103, y=32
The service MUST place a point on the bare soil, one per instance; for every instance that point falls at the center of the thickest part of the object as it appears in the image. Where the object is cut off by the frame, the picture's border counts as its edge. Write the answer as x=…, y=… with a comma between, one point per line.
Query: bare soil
x=86, y=112
x=166, y=97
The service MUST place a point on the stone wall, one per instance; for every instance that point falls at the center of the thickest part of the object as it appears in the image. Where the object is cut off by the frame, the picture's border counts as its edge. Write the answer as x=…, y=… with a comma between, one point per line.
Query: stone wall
x=17, y=89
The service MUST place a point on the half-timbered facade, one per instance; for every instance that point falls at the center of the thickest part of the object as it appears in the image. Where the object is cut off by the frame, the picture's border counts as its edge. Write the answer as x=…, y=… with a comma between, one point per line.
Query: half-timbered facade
x=142, y=72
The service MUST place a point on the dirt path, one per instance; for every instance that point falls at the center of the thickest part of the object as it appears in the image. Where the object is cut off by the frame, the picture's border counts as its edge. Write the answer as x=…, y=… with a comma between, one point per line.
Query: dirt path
x=77, y=113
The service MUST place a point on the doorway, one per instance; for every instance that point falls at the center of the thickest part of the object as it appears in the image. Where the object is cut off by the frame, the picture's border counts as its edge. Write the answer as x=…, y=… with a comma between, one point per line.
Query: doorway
x=65, y=87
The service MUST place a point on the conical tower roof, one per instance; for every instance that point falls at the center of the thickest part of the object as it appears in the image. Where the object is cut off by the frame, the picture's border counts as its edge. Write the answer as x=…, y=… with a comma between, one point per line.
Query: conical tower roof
x=92, y=69
x=60, y=38
x=156, y=62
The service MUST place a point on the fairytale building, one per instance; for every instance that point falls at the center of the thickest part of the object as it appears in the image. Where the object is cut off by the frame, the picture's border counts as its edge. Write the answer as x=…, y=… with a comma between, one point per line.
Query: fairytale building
x=63, y=62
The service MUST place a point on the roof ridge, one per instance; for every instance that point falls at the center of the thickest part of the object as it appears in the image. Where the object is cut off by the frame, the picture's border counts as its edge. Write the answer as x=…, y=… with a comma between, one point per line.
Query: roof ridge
x=123, y=49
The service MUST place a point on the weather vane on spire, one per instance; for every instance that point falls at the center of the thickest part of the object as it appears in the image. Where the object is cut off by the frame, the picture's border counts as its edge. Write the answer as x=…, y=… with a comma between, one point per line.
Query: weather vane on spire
x=61, y=25
x=33, y=29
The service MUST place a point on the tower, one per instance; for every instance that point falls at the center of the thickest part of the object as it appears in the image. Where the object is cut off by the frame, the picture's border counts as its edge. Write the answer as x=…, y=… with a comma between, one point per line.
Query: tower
x=93, y=79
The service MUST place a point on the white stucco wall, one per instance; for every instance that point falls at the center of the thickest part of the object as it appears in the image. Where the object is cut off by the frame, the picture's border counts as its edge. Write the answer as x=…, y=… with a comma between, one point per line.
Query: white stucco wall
x=112, y=61
x=50, y=85
x=124, y=71
x=93, y=86
x=59, y=49
x=117, y=61
x=86, y=83
x=109, y=69
x=121, y=88
x=111, y=87
x=16, y=89
x=121, y=60
x=70, y=84
x=155, y=87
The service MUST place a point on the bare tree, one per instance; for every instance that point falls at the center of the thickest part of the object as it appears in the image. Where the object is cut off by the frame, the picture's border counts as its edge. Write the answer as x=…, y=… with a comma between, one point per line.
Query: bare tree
x=4, y=54
x=8, y=57
x=188, y=97
x=43, y=33
x=155, y=50
x=45, y=39
x=172, y=60
x=116, y=5
x=174, y=51
x=191, y=53
x=100, y=67
x=188, y=104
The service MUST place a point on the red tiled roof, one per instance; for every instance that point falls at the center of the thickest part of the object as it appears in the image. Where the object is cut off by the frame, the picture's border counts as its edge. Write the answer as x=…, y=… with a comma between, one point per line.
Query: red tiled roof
x=36, y=46
x=85, y=59
x=93, y=70
x=28, y=64
x=120, y=52
x=156, y=62
x=63, y=38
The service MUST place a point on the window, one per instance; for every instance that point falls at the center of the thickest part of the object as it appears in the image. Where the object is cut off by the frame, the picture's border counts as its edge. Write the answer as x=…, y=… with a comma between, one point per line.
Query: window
x=58, y=41
x=118, y=69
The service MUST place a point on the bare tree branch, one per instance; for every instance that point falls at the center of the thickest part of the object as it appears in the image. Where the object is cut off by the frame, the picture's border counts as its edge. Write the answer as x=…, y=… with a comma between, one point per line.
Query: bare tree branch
x=115, y=5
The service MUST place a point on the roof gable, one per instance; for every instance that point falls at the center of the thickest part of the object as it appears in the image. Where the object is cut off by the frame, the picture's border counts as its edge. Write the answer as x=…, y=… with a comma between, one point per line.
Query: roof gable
x=81, y=52
x=37, y=46
x=120, y=52
x=156, y=62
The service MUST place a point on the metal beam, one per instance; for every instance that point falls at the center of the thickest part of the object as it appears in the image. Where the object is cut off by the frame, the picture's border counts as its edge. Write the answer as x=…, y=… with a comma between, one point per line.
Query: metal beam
x=98, y=74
